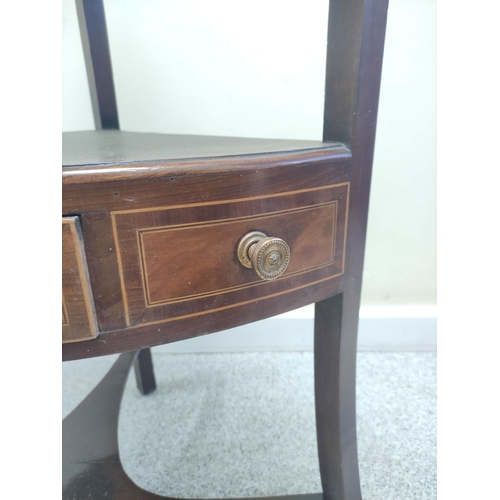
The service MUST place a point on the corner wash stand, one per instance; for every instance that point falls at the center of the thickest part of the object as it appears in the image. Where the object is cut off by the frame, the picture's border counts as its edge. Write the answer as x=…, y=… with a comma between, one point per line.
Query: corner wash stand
x=168, y=237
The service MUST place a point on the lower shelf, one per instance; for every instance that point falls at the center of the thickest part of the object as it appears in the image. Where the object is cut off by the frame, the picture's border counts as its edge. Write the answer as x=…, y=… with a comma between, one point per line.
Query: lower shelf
x=91, y=460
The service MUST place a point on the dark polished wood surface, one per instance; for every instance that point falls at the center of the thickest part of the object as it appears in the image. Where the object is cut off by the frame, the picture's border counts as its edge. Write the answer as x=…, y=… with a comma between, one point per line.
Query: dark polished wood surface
x=78, y=313
x=183, y=328
x=143, y=248
x=111, y=147
x=180, y=261
x=164, y=249
x=178, y=182
x=102, y=260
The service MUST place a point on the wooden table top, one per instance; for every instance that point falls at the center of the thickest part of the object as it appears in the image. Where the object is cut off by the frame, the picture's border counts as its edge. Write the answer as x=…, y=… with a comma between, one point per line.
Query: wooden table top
x=103, y=147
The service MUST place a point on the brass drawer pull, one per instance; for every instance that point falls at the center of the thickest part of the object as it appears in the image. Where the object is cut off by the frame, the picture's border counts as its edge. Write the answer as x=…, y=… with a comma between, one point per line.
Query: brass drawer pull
x=268, y=256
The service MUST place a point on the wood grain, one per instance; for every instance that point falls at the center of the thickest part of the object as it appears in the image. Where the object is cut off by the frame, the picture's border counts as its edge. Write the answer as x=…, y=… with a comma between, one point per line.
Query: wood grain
x=332, y=447
x=78, y=318
x=132, y=187
x=104, y=271
x=183, y=260
x=241, y=188
x=215, y=320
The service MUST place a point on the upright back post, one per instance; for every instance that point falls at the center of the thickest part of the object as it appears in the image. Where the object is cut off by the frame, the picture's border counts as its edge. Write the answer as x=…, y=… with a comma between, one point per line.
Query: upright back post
x=356, y=33
x=93, y=32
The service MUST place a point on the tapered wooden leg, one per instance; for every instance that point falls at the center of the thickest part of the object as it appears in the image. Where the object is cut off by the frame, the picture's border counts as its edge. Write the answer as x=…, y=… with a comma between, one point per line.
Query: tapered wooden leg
x=144, y=372
x=335, y=379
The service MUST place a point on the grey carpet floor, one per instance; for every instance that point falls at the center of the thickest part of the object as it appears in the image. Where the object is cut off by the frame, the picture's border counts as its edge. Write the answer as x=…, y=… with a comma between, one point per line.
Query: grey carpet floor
x=237, y=425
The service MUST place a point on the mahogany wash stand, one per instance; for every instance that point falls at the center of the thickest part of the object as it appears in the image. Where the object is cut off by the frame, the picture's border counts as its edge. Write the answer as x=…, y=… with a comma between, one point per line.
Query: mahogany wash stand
x=168, y=237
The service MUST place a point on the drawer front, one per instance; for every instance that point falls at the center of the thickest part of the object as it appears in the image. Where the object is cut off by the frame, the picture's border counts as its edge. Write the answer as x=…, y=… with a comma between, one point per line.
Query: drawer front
x=182, y=261
x=78, y=315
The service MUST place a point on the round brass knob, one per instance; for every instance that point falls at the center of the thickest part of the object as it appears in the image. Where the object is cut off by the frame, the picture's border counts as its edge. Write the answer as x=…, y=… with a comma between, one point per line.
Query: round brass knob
x=268, y=256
